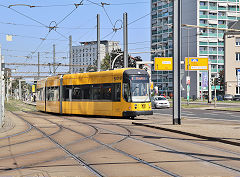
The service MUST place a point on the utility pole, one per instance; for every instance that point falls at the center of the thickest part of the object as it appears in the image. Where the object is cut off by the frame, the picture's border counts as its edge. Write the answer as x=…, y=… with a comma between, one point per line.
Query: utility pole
x=20, y=89
x=125, y=40
x=98, y=43
x=70, y=54
x=215, y=93
x=177, y=62
x=188, y=77
x=1, y=96
x=38, y=65
x=54, y=60
x=7, y=85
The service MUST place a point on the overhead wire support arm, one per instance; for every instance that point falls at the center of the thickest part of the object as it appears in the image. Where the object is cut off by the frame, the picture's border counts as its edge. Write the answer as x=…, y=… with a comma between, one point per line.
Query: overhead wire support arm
x=21, y=5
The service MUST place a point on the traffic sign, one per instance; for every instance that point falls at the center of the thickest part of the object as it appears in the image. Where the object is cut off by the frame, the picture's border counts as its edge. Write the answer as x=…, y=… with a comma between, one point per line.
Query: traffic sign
x=163, y=63
x=196, y=63
x=217, y=87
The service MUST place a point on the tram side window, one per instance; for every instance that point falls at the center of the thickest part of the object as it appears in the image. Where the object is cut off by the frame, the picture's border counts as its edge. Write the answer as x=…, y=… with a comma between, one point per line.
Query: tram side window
x=77, y=93
x=107, y=92
x=126, y=92
x=67, y=91
x=40, y=94
x=117, y=92
x=86, y=92
x=52, y=94
x=96, y=92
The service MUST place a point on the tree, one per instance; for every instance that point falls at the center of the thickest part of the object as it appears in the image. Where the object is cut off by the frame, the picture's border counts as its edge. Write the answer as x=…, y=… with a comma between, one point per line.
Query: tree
x=105, y=64
x=119, y=62
x=92, y=68
x=221, y=78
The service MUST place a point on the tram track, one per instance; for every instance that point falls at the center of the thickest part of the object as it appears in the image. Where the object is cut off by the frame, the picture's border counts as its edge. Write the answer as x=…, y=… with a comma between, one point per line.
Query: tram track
x=68, y=152
x=179, y=152
x=129, y=135
x=110, y=146
x=17, y=134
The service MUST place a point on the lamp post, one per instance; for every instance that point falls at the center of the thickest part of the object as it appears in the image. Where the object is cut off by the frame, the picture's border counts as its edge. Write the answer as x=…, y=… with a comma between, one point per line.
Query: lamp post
x=188, y=77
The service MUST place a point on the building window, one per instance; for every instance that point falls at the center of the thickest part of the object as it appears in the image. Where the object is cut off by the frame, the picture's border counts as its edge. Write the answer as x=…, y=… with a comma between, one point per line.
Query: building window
x=237, y=72
x=237, y=41
x=237, y=56
x=237, y=90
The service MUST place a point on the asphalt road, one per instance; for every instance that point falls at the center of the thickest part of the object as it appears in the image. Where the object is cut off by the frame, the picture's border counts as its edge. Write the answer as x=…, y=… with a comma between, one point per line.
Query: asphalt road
x=203, y=114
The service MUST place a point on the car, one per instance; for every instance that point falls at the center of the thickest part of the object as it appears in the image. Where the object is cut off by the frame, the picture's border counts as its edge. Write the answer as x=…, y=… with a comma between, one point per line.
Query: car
x=236, y=98
x=160, y=102
x=228, y=97
x=219, y=97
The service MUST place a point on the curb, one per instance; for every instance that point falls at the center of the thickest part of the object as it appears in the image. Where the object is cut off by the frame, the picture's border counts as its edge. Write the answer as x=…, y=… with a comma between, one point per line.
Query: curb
x=29, y=103
x=189, y=134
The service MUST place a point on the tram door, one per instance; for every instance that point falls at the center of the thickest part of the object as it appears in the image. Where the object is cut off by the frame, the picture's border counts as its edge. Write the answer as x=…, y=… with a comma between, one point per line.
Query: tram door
x=107, y=91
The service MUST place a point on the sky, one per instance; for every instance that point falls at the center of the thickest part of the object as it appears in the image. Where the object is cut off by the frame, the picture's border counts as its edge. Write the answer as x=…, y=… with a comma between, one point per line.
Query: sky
x=29, y=23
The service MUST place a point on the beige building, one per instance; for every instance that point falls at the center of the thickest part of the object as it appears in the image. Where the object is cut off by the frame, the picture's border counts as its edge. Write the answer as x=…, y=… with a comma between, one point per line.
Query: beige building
x=232, y=60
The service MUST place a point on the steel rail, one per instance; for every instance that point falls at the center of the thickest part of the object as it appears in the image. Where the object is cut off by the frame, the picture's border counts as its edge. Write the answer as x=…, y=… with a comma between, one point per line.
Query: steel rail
x=129, y=155
x=19, y=133
x=41, y=150
x=173, y=150
x=122, y=152
x=79, y=160
x=88, y=137
x=22, y=142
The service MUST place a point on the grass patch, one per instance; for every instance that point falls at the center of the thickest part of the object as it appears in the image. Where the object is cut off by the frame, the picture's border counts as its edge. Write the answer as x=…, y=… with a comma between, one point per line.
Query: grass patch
x=17, y=105
x=230, y=109
x=193, y=106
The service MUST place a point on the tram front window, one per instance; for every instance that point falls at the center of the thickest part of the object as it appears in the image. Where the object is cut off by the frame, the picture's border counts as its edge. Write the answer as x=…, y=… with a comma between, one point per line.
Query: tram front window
x=140, y=92
x=137, y=90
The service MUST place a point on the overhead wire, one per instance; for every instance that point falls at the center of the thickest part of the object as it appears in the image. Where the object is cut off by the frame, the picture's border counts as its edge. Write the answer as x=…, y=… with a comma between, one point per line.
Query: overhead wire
x=139, y=19
x=50, y=29
x=69, y=13
x=24, y=15
x=107, y=15
x=63, y=27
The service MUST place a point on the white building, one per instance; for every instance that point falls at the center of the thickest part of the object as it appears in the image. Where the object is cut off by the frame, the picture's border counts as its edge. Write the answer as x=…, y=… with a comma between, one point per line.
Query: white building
x=200, y=42
x=86, y=53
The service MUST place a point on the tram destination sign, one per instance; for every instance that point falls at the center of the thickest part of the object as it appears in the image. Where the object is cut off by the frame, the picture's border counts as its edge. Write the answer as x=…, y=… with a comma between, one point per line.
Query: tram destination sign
x=196, y=63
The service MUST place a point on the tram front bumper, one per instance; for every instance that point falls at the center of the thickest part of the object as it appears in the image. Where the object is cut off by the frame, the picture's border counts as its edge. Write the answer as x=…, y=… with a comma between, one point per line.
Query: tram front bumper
x=136, y=113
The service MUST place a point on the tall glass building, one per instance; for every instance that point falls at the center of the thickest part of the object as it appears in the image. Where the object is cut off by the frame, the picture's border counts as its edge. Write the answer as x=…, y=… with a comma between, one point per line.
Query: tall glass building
x=196, y=42
x=162, y=42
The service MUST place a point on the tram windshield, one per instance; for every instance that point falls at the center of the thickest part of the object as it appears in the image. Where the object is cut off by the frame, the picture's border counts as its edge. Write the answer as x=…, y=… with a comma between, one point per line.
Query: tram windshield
x=137, y=90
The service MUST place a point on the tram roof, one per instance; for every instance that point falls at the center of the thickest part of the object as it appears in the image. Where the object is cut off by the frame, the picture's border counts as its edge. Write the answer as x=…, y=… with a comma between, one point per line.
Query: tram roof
x=101, y=73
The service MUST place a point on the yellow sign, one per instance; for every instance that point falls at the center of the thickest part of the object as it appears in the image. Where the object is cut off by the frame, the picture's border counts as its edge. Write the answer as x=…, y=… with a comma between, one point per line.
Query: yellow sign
x=196, y=63
x=33, y=88
x=9, y=37
x=163, y=64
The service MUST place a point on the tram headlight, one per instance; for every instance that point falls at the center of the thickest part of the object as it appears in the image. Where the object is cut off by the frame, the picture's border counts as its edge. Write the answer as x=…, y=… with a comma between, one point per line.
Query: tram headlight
x=135, y=106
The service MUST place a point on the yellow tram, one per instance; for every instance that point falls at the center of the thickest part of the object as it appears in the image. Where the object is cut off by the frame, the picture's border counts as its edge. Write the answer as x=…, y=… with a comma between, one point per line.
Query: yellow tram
x=121, y=93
